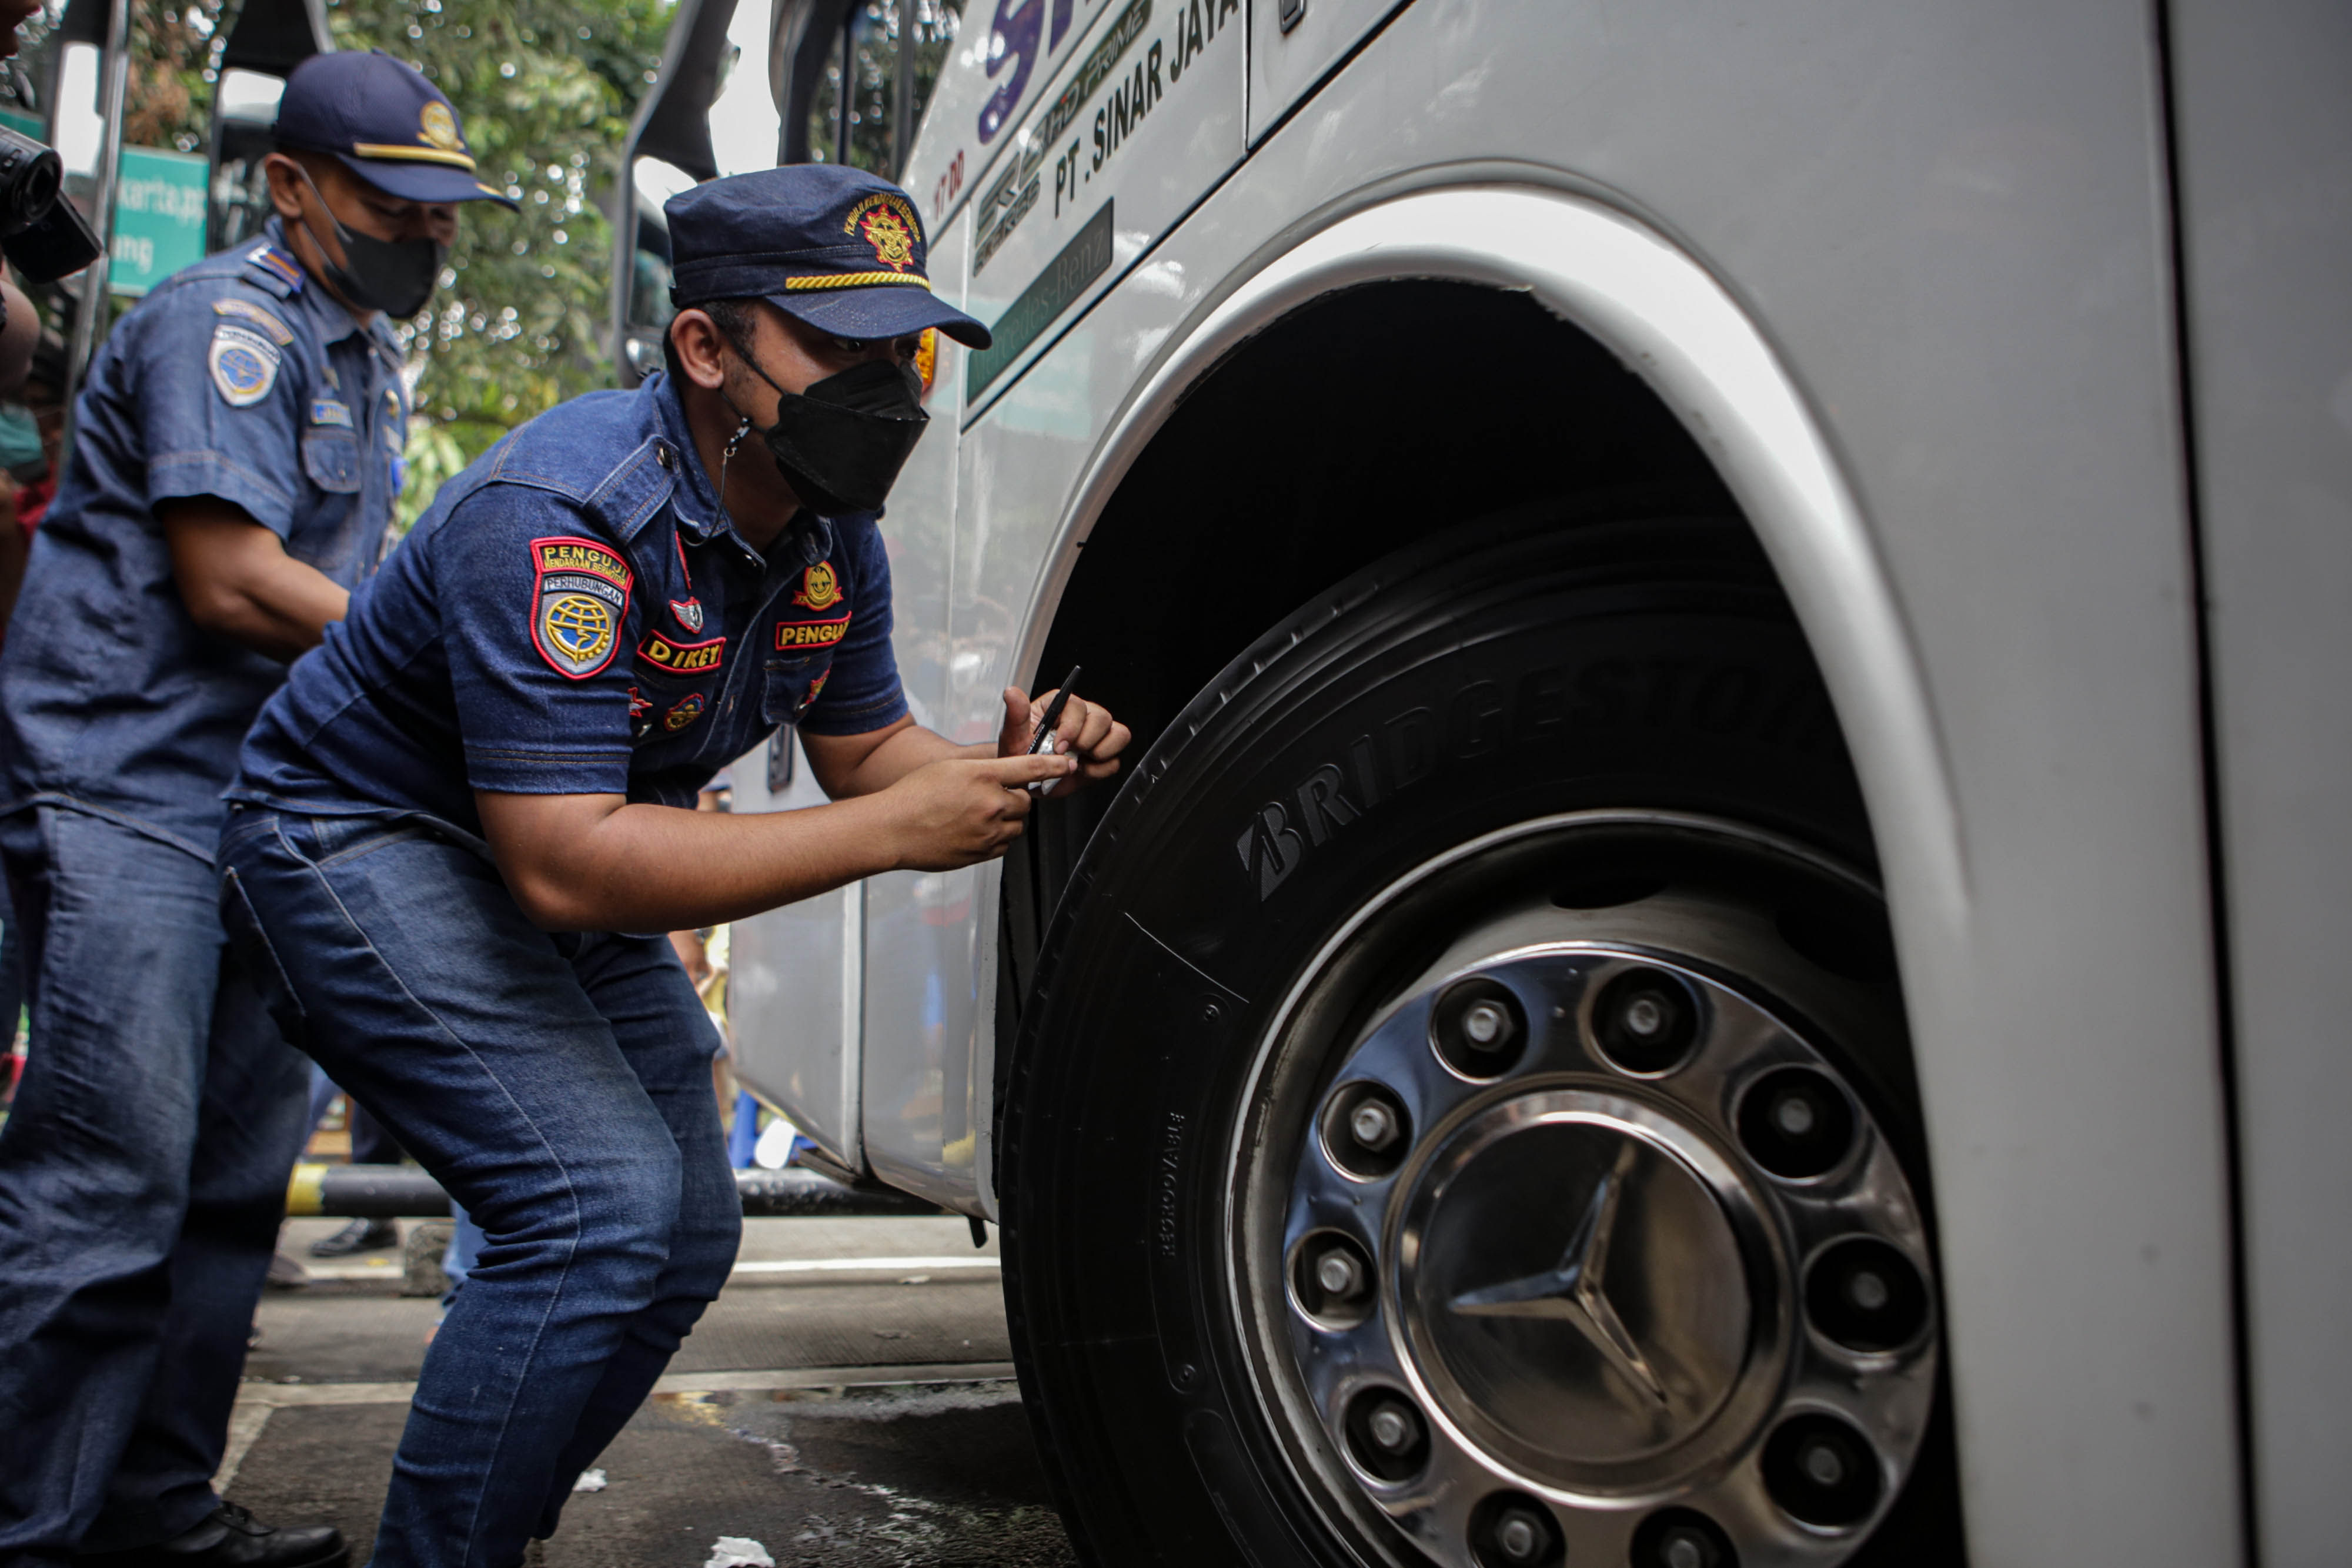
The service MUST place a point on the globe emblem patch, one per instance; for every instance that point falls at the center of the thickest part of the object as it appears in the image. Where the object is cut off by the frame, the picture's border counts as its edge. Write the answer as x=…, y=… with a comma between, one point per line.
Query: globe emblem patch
x=580, y=601
x=580, y=627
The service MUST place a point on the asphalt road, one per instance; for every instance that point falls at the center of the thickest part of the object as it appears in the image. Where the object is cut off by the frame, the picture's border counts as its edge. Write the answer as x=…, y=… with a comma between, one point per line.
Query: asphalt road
x=847, y=1401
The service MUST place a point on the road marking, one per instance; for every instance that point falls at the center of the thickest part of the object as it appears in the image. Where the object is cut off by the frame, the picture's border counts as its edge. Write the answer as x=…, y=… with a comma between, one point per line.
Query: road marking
x=861, y=1265
x=384, y=1269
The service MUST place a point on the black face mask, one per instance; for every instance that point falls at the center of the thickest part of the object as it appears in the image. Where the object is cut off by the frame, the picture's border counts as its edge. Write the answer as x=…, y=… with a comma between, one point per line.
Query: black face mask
x=842, y=442
x=396, y=276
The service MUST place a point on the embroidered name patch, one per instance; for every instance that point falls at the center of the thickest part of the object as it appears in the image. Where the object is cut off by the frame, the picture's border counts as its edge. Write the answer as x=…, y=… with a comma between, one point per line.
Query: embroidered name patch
x=685, y=658
x=278, y=331
x=579, y=600
x=330, y=411
x=790, y=634
x=820, y=588
x=243, y=364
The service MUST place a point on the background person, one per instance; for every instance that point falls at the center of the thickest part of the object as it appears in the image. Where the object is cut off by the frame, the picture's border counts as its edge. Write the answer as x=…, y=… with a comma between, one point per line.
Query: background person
x=236, y=459
x=450, y=818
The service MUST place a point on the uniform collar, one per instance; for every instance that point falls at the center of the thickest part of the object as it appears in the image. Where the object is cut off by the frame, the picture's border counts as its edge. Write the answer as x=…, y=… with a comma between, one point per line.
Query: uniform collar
x=696, y=503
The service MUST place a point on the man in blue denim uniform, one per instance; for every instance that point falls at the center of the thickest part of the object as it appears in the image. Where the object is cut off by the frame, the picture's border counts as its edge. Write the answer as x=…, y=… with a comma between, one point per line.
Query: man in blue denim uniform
x=235, y=464
x=457, y=810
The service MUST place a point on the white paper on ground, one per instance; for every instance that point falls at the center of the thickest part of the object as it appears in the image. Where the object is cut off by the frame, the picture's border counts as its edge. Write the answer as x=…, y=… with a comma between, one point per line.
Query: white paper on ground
x=739, y=1552
x=590, y=1481
x=775, y=1144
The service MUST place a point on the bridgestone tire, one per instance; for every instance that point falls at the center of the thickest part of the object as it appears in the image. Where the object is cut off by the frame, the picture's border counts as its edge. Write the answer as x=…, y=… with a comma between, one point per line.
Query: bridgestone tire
x=1519, y=668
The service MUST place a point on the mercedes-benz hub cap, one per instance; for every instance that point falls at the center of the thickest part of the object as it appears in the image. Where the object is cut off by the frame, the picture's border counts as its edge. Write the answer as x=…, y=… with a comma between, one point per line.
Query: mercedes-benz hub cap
x=1591, y=1259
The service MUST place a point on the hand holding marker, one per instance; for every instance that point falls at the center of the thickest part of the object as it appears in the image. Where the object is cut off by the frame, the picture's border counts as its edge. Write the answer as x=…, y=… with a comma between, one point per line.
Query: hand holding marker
x=1044, y=736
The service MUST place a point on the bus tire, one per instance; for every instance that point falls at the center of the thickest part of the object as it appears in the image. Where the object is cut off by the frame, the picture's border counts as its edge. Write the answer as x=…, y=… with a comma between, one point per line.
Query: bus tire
x=1514, y=894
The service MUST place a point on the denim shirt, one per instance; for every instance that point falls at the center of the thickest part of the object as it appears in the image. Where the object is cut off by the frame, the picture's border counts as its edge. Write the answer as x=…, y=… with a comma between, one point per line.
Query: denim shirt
x=576, y=615
x=238, y=379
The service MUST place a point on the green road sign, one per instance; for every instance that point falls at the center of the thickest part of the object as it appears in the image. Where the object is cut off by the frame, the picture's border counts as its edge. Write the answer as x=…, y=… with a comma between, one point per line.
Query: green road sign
x=159, y=218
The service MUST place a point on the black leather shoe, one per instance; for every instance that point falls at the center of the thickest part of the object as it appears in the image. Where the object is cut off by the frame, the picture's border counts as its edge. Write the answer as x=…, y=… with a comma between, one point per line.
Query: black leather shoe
x=230, y=1537
x=359, y=1236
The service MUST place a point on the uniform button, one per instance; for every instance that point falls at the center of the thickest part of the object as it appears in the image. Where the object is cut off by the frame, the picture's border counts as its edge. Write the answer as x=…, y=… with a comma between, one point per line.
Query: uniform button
x=661, y=454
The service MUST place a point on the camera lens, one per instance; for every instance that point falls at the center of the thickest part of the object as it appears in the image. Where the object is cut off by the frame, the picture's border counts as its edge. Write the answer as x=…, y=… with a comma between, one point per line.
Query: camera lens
x=30, y=174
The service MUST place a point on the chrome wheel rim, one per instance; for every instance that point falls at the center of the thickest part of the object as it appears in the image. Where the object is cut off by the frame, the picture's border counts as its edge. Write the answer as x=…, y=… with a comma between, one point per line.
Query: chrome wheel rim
x=1579, y=1244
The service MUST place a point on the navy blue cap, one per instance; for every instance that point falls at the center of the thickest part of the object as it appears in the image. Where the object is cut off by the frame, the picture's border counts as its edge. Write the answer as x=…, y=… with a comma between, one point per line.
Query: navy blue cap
x=839, y=249
x=388, y=124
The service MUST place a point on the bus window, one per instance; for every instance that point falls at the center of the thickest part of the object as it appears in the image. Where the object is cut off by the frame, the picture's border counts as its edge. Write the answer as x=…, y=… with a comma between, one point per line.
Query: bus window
x=868, y=130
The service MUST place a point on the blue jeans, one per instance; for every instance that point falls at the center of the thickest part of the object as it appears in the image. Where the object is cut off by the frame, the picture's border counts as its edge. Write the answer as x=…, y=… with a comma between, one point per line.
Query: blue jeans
x=559, y=1087
x=143, y=1176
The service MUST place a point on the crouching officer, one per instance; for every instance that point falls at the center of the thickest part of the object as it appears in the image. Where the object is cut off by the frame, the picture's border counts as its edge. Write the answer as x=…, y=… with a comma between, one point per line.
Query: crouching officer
x=237, y=458
x=457, y=812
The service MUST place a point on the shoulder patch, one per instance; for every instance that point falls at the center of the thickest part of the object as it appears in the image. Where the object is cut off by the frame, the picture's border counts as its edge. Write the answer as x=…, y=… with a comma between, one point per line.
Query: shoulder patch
x=682, y=658
x=246, y=310
x=243, y=364
x=282, y=275
x=792, y=635
x=580, y=596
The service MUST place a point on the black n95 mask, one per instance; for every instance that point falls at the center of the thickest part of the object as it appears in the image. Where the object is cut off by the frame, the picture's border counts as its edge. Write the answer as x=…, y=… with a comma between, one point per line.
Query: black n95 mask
x=396, y=276
x=842, y=442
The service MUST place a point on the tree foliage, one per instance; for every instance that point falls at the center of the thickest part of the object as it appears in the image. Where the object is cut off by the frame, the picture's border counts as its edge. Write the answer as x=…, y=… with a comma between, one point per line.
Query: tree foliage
x=545, y=93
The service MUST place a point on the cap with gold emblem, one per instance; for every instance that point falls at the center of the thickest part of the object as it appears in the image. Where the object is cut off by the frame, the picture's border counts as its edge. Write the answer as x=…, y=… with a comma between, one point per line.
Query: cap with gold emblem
x=840, y=248
x=388, y=124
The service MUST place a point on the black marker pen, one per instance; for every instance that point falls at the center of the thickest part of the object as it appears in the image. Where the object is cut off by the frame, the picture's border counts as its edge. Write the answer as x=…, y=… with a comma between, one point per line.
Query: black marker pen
x=1044, y=736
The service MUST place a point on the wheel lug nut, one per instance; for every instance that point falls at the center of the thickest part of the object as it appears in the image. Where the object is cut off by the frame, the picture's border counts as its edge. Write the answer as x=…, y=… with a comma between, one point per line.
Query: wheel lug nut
x=1366, y=1131
x=1645, y=1020
x=1511, y=1530
x=1477, y=1028
x=1339, y=1272
x=1682, y=1537
x=1822, y=1464
x=1866, y=1295
x=1822, y=1472
x=1867, y=1291
x=1386, y=1434
x=1331, y=1278
x=1795, y=1122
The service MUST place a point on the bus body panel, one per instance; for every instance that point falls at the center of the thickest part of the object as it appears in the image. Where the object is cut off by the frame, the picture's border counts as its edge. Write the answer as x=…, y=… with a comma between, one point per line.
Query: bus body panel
x=1294, y=44
x=796, y=975
x=2265, y=133
x=921, y=927
x=1950, y=224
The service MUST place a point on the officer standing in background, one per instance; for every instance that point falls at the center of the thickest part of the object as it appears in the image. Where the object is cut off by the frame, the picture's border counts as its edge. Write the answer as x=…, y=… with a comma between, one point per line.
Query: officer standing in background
x=453, y=814
x=237, y=458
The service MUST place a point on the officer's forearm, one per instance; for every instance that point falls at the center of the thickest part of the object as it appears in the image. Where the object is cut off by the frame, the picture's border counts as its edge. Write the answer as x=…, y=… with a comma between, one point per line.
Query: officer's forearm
x=853, y=765
x=594, y=862
x=238, y=583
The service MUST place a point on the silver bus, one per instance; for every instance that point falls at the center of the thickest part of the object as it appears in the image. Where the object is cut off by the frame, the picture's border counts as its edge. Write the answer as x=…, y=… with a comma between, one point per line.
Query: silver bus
x=1721, y=946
